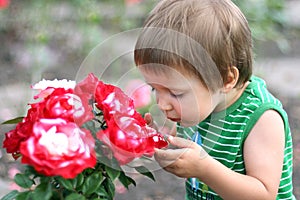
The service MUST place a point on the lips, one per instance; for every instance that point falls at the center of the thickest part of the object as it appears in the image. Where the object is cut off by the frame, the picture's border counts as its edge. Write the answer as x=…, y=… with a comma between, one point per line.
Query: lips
x=174, y=119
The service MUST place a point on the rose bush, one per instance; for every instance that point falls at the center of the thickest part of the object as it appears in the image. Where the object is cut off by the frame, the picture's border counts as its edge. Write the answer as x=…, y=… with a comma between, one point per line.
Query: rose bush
x=74, y=139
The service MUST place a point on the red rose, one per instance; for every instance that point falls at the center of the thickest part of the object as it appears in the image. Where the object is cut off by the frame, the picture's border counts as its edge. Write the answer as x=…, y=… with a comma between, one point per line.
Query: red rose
x=124, y=147
x=154, y=141
x=147, y=136
x=14, y=138
x=44, y=93
x=102, y=91
x=112, y=100
x=21, y=133
x=62, y=103
x=128, y=139
x=87, y=87
x=58, y=147
x=127, y=134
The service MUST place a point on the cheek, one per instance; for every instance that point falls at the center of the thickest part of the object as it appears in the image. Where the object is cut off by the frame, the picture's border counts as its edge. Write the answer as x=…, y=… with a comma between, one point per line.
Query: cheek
x=191, y=103
x=205, y=108
x=191, y=113
x=188, y=110
x=196, y=109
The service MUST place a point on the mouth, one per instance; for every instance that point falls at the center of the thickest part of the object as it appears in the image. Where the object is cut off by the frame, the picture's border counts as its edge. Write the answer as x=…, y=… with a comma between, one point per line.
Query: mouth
x=174, y=119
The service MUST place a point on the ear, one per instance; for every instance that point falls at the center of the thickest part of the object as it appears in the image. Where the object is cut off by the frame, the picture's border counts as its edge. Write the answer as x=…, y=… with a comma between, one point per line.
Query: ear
x=232, y=78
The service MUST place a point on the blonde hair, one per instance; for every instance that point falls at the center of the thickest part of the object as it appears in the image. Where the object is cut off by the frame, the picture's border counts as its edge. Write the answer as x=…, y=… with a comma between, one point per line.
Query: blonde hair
x=202, y=37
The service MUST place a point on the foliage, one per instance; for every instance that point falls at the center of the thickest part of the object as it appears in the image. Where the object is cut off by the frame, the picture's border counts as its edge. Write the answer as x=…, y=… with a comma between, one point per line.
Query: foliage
x=42, y=36
x=50, y=22
x=97, y=183
x=267, y=19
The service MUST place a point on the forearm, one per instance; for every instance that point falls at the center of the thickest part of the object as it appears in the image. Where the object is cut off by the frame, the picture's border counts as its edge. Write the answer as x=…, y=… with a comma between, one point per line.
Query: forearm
x=232, y=185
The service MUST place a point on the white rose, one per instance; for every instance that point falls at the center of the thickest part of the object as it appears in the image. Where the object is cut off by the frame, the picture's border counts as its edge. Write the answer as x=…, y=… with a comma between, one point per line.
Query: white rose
x=64, y=83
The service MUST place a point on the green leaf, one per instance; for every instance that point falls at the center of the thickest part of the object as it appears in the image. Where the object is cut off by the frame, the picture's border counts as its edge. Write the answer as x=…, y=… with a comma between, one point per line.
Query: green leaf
x=126, y=180
x=67, y=183
x=29, y=170
x=10, y=196
x=112, y=173
x=92, y=183
x=75, y=196
x=101, y=192
x=110, y=188
x=24, y=195
x=78, y=181
x=144, y=171
x=45, y=179
x=42, y=191
x=13, y=121
x=23, y=181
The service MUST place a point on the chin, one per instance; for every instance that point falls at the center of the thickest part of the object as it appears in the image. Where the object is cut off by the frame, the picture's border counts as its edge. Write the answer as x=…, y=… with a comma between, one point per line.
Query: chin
x=189, y=123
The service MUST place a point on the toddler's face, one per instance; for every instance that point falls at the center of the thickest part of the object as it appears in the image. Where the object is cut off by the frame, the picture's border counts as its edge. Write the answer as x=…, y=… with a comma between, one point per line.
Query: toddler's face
x=182, y=98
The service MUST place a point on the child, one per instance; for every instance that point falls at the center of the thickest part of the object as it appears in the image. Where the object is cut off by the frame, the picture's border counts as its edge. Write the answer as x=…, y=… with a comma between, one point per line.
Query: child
x=234, y=140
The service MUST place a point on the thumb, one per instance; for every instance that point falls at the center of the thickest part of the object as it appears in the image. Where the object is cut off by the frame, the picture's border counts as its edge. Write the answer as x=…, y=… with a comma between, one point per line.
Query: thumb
x=180, y=142
x=148, y=118
x=150, y=122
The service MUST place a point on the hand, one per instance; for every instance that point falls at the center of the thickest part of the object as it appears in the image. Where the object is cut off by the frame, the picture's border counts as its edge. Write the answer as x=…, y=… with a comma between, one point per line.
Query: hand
x=187, y=160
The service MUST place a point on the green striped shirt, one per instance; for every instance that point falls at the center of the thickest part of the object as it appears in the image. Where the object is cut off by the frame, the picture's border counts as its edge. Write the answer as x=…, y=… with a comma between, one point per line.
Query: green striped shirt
x=223, y=134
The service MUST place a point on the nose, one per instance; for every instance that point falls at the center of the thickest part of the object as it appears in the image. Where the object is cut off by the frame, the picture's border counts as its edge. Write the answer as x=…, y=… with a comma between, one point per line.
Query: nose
x=163, y=103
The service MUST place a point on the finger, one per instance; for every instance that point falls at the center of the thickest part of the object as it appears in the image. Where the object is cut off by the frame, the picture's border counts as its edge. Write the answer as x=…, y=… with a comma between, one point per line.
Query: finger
x=180, y=142
x=150, y=122
x=169, y=154
x=166, y=164
x=148, y=118
x=162, y=159
x=173, y=131
x=177, y=142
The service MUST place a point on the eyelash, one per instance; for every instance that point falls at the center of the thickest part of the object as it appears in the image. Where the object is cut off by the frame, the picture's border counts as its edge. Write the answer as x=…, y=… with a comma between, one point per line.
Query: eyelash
x=176, y=95
x=172, y=95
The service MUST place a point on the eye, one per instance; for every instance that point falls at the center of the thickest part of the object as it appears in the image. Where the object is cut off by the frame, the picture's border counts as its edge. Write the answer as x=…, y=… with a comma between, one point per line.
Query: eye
x=176, y=95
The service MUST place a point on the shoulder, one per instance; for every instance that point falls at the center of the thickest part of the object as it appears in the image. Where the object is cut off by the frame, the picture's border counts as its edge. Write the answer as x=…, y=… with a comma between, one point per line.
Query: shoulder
x=262, y=102
x=269, y=121
x=268, y=132
x=267, y=137
x=258, y=89
x=264, y=150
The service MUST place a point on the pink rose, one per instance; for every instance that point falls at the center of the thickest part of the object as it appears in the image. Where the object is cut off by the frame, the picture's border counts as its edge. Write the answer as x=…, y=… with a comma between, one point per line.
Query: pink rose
x=139, y=92
x=4, y=3
x=131, y=2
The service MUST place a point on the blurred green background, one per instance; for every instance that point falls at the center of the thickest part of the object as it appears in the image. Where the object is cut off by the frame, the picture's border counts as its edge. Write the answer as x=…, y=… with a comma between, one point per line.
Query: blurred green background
x=50, y=39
